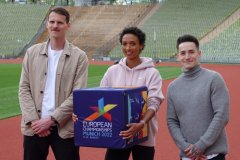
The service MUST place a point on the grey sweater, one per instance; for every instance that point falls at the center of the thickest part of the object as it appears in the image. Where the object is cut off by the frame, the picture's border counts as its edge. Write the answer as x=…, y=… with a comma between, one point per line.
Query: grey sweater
x=198, y=111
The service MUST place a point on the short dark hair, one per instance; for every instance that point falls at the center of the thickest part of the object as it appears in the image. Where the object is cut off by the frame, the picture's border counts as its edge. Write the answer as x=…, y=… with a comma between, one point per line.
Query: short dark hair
x=60, y=10
x=135, y=31
x=187, y=38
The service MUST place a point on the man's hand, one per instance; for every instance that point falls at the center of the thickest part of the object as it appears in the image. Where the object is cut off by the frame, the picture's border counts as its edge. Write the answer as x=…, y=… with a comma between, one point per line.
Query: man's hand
x=44, y=133
x=194, y=154
x=42, y=126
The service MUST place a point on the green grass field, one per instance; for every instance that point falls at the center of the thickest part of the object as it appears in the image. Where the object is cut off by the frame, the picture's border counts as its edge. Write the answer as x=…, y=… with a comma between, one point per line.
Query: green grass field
x=10, y=75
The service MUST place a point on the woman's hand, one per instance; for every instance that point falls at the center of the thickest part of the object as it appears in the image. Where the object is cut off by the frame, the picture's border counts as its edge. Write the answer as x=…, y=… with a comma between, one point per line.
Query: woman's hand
x=133, y=129
x=74, y=118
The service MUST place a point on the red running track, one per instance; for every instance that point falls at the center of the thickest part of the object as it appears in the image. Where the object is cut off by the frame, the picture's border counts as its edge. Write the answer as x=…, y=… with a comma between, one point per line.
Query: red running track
x=11, y=138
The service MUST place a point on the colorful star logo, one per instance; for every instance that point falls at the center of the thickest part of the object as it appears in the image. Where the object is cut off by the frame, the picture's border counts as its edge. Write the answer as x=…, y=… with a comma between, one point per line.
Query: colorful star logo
x=101, y=110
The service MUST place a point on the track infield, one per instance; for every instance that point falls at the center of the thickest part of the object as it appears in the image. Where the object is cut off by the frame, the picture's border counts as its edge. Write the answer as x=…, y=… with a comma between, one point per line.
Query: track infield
x=11, y=137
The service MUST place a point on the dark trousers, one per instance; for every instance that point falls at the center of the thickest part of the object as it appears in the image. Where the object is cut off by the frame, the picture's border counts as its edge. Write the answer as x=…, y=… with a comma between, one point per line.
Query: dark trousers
x=36, y=148
x=138, y=153
x=219, y=157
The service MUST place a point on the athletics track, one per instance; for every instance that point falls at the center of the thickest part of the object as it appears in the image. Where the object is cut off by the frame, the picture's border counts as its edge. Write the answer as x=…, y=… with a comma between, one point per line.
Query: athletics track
x=11, y=138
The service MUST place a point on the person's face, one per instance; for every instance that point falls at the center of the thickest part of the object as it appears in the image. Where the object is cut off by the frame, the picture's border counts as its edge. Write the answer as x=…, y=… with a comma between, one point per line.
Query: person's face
x=131, y=46
x=57, y=25
x=188, y=55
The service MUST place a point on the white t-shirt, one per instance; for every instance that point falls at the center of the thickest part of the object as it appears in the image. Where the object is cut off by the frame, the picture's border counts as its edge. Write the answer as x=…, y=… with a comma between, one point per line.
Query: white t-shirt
x=48, y=105
x=208, y=157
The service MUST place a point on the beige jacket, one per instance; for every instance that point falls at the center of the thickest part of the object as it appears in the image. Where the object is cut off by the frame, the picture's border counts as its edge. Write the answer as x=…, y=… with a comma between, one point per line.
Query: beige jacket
x=72, y=74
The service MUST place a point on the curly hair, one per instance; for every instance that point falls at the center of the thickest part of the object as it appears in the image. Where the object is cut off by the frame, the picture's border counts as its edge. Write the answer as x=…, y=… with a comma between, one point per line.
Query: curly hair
x=135, y=31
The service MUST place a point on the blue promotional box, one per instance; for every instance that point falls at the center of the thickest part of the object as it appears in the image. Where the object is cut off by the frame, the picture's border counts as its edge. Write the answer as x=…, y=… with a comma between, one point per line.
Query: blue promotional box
x=104, y=112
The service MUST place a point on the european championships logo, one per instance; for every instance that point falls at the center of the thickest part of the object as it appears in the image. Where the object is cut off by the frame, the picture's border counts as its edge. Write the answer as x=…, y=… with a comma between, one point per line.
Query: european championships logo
x=101, y=110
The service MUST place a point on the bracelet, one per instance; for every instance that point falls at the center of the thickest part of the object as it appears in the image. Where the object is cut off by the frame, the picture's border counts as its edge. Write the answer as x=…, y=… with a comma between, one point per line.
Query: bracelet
x=142, y=121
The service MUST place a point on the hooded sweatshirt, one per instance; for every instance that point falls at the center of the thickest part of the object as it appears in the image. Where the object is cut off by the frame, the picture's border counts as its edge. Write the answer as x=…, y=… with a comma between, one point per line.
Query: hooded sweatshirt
x=144, y=74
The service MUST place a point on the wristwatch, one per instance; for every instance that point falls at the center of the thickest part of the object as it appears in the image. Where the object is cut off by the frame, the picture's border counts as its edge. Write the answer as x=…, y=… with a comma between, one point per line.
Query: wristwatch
x=142, y=121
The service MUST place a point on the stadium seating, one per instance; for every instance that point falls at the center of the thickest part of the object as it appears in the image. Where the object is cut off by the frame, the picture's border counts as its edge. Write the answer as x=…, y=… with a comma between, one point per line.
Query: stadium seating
x=95, y=29
x=225, y=47
x=175, y=18
x=99, y=26
x=18, y=23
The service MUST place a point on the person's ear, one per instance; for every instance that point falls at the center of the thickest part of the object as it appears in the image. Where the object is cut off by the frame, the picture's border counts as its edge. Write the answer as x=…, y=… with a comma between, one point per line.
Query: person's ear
x=141, y=48
x=68, y=25
x=177, y=57
x=199, y=53
x=46, y=25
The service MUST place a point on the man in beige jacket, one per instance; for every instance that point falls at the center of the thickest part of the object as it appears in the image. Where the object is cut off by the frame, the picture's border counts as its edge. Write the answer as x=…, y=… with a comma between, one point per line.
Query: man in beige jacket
x=50, y=72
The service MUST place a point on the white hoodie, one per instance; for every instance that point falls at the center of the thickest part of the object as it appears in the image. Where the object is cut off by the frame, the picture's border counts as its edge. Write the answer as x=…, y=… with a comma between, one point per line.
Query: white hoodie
x=145, y=74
